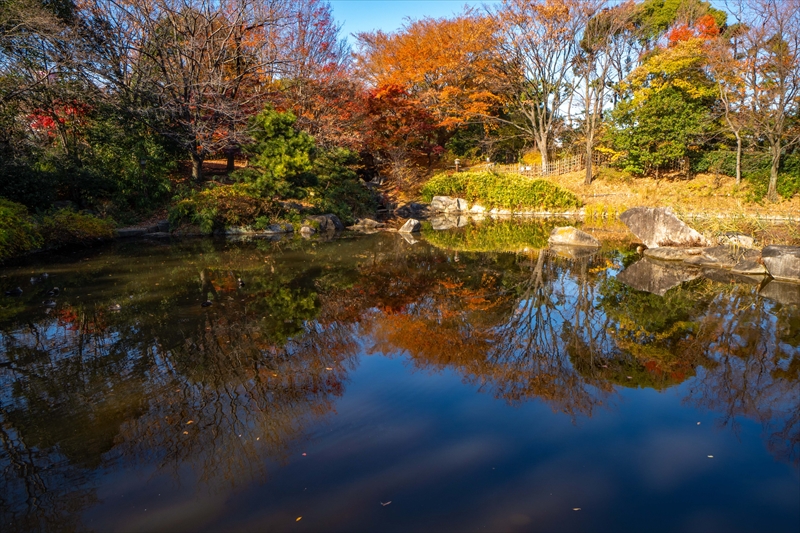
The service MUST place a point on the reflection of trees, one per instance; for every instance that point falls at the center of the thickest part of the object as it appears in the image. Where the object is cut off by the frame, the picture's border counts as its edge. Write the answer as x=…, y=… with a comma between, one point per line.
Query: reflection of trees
x=85, y=387
x=509, y=327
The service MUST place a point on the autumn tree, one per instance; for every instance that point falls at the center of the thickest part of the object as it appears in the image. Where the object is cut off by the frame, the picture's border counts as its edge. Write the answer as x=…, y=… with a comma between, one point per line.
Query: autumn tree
x=772, y=76
x=600, y=45
x=539, y=43
x=448, y=65
x=667, y=111
x=195, y=65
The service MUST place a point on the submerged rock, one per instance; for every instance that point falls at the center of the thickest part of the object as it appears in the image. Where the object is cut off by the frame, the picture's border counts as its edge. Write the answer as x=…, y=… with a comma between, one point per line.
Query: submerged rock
x=668, y=253
x=724, y=257
x=782, y=262
x=411, y=226
x=783, y=292
x=444, y=223
x=573, y=252
x=658, y=226
x=749, y=268
x=656, y=278
x=570, y=236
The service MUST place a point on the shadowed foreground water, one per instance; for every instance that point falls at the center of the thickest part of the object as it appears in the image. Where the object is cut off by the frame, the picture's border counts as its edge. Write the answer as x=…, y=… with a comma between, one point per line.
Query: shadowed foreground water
x=370, y=384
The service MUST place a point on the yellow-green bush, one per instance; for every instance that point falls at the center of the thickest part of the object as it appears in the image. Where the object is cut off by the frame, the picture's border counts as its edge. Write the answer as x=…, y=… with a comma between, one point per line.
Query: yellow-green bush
x=18, y=231
x=509, y=191
x=66, y=226
x=221, y=206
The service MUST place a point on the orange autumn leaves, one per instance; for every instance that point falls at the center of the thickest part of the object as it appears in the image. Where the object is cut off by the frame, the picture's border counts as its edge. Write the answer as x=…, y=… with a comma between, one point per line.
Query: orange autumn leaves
x=445, y=65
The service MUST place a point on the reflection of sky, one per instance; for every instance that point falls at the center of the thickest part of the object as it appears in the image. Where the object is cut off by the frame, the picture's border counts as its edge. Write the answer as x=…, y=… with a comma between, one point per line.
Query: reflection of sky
x=449, y=459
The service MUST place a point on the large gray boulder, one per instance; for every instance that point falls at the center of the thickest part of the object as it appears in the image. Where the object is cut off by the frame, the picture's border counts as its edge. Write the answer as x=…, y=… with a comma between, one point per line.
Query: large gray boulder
x=656, y=278
x=570, y=236
x=443, y=203
x=326, y=223
x=782, y=262
x=658, y=226
x=411, y=226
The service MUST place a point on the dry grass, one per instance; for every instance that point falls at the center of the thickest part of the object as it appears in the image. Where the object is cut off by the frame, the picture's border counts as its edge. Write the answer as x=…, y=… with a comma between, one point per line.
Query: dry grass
x=711, y=204
x=703, y=195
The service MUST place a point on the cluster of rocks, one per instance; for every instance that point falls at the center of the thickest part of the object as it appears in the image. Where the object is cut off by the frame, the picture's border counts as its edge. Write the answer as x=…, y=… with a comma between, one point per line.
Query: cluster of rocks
x=677, y=253
x=674, y=253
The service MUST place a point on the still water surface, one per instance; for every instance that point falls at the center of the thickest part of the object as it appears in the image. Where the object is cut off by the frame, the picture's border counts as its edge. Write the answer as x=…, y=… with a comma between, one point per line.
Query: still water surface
x=370, y=384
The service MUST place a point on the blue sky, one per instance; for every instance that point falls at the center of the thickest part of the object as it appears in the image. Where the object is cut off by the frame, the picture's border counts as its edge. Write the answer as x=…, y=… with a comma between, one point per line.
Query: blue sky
x=388, y=15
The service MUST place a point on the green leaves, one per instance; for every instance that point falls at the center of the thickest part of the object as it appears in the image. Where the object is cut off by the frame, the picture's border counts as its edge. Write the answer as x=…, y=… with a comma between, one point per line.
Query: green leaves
x=279, y=152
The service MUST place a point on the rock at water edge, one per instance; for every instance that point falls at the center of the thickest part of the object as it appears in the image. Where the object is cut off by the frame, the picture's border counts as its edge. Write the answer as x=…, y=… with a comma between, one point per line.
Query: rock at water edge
x=570, y=236
x=782, y=262
x=411, y=226
x=658, y=226
x=442, y=203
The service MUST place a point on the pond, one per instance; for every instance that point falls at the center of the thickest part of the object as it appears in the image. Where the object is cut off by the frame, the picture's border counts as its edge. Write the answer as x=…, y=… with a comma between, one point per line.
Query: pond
x=382, y=383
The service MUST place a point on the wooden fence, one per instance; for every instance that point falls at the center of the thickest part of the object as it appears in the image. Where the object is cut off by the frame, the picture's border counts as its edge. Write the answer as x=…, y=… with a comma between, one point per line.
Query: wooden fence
x=565, y=165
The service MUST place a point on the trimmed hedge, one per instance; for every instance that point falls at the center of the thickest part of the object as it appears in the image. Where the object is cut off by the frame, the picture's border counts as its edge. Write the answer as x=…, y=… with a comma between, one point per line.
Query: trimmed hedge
x=508, y=191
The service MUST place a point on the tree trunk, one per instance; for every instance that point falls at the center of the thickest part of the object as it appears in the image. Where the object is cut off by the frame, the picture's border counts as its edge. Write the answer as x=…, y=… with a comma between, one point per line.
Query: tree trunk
x=772, y=192
x=197, y=167
x=545, y=160
x=738, y=159
x=231, y=165
x=589, y=143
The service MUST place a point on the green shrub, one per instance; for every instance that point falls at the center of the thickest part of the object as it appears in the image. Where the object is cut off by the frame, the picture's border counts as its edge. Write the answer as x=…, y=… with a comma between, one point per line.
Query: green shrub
x=509, y=191
x=222, y=206
x=336, y=188
x=66, y=226
x=18, y=232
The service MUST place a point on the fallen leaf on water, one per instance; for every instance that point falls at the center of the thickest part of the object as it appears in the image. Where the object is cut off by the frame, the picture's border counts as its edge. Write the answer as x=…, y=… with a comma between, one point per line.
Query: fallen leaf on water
x=576, y=508
x=387, y=503
x=328, y=368
x=298, y=518
x=710, y=456
x=190, y=422
x=185, y=432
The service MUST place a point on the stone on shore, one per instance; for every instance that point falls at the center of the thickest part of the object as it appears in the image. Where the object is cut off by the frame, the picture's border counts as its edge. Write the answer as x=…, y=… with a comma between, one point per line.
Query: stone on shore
x=738, y=239
x=782, y=262
x=570, y=236
x=327, y=223
x=131, y=232
x=411, y=226
x=446, y=203
x=658, y=226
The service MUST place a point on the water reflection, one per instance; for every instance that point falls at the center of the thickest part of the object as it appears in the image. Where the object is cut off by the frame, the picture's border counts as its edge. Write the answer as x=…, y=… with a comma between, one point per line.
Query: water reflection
x=128, y=369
